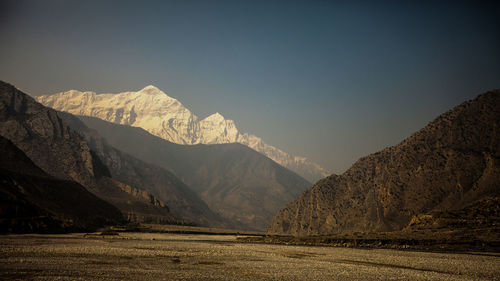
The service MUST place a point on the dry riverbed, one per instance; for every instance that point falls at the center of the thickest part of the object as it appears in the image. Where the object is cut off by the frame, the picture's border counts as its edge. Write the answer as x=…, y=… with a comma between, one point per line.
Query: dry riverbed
x=157, y=256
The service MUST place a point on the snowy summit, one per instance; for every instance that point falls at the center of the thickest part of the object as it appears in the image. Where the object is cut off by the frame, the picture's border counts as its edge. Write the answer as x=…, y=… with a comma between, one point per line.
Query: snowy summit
x=165, y=117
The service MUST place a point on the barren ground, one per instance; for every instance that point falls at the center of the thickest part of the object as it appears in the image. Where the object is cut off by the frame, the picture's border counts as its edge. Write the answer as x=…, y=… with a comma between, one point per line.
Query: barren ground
x=147, y=256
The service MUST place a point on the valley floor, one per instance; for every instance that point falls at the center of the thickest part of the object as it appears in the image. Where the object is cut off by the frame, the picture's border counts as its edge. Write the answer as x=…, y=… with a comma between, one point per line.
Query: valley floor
x=156, y=256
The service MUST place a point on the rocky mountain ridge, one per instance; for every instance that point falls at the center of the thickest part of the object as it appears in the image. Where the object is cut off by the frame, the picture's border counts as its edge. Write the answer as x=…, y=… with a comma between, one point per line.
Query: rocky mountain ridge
x=451, y=163
x=165, y=117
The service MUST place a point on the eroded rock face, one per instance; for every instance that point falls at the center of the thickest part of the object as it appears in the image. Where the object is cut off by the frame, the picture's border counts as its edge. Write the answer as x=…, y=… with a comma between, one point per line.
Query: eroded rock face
x=452, y=162
x=482, y=215
x=40, y=133
x=137, y=205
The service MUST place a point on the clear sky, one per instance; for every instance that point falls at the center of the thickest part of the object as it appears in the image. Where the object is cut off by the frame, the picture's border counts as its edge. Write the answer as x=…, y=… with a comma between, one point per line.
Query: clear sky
x=329, y=80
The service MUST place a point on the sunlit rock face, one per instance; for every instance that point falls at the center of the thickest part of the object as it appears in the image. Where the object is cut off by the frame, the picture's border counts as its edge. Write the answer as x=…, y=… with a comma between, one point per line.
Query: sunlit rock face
x=450, y=164
x=165, y=117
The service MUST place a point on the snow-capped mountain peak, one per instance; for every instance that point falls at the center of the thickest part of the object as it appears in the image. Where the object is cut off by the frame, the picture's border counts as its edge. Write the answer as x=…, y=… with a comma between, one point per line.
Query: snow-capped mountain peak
x=153, y=110
x=151, y=87
x=216, y=117
x=216, y=129
x=153, y=90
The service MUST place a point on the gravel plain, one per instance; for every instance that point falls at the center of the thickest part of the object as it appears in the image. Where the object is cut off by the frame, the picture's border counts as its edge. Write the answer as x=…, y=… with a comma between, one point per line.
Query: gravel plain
x=146, y=256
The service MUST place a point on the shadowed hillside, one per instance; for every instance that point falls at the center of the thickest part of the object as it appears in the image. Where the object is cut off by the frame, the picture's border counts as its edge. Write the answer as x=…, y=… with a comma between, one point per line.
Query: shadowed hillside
x=235, y=181
x=182, y=201
x=33, y=201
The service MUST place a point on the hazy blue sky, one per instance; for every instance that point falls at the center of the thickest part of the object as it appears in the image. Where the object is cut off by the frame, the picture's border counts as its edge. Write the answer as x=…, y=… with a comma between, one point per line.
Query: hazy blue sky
x=329, y=80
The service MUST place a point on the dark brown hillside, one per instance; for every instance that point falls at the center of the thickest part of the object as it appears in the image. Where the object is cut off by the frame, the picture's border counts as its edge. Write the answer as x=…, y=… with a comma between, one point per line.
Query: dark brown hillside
x=451, y=163
x=33, y=201
x=62, y=153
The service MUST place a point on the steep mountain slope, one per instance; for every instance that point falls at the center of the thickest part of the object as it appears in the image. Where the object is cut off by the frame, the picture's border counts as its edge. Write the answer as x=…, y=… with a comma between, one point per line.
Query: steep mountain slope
x=64, y=154
x=33, y=201
x=235, y=181
x=165, y=117
x=451, y=163
x=182, y=201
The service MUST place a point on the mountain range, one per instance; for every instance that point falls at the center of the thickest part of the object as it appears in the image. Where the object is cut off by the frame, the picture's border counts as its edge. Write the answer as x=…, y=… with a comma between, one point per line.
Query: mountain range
x=147, y=178
x=165, y=117
x=243, y=186
x=448, y=168
x=60, y=172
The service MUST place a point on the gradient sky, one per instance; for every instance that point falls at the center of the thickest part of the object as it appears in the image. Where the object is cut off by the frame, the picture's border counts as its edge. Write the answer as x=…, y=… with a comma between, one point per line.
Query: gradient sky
x=329, y=80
